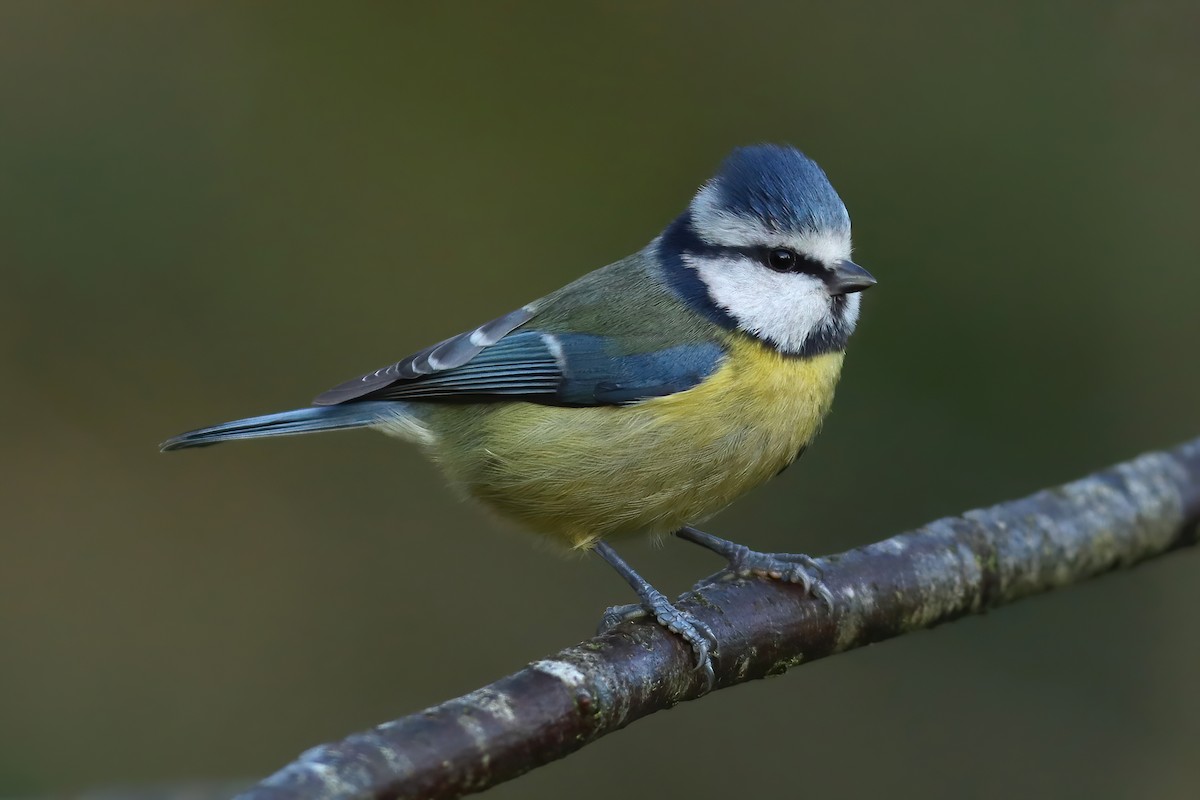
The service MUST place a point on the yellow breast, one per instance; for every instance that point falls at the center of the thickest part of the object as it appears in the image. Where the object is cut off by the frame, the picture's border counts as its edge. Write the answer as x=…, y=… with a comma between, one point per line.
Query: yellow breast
x=582, y=474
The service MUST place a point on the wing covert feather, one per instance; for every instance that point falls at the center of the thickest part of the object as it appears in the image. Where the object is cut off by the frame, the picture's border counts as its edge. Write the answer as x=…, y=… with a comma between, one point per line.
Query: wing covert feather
x=535, y=353
x=445, y=355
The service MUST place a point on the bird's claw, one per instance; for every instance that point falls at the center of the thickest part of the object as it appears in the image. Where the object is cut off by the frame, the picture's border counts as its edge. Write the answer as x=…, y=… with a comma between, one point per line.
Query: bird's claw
x=743, y=562
x=684, y=625
x=615, y=615
x=790, y=567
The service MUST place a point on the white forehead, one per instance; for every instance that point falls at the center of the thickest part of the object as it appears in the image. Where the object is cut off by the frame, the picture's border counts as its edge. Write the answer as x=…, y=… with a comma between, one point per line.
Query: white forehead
x=784, y=308
x=716, y=226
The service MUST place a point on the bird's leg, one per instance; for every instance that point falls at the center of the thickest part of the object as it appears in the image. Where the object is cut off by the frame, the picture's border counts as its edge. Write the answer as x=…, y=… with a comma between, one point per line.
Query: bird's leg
x=790, y=567
x=655, y=603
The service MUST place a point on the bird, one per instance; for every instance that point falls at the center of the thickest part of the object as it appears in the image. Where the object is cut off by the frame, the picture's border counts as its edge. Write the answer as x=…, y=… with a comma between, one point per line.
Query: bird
x=645, y=396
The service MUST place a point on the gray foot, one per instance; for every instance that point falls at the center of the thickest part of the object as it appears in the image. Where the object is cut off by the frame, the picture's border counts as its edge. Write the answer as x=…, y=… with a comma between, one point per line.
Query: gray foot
x=692, y=630
x=790, y=567
x=654, y=603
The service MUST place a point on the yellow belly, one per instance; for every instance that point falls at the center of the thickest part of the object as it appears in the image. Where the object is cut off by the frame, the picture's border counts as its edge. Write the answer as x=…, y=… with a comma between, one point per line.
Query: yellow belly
x=582, y=474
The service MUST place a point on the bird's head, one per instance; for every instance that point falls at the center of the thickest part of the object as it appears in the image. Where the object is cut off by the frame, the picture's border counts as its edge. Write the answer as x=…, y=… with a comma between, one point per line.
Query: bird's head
x=764, y=247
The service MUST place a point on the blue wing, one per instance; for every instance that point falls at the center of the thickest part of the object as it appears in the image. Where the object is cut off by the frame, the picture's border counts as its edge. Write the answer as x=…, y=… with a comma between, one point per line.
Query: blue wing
x=498, y=361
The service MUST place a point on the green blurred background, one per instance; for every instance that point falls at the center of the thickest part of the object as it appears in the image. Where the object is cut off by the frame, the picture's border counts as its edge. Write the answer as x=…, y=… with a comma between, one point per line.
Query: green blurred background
x=212, y=211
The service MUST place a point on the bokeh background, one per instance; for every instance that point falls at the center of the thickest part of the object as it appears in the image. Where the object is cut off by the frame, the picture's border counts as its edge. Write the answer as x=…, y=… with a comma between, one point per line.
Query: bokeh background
x=211, y=211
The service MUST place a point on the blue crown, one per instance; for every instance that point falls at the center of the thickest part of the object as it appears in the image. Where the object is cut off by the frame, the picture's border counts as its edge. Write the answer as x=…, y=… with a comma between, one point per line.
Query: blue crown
x=780, y=186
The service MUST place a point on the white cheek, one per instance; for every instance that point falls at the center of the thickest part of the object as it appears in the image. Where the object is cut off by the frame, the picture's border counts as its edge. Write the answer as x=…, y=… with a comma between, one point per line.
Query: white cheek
x=784, y=308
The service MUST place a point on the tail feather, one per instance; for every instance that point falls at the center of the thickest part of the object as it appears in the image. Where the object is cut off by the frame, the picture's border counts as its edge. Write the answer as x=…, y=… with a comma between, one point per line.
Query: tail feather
x=288, y=423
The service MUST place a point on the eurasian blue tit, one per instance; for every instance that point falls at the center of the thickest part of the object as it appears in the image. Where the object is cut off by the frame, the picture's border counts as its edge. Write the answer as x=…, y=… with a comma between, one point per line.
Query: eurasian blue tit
x=645, y=396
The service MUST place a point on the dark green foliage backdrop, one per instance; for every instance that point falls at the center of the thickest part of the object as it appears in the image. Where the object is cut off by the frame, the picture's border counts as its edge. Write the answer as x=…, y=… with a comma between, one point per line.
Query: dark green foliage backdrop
x=215, y=211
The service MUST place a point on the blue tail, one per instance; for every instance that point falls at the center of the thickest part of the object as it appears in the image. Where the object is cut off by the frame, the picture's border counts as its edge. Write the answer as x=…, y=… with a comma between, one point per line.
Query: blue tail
x=287, y=423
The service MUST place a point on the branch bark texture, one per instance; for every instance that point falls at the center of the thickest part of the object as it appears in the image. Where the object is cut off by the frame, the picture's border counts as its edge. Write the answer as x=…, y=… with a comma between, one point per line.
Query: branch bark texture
x=947, y=569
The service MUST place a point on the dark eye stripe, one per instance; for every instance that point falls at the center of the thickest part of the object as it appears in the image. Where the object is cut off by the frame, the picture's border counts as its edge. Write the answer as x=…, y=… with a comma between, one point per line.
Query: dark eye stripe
x=681, y=240
x=763, y=255
x=781, y=259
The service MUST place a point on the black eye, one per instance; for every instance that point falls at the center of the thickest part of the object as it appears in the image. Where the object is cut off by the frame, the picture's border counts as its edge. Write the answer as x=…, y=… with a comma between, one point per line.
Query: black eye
x=782, y=260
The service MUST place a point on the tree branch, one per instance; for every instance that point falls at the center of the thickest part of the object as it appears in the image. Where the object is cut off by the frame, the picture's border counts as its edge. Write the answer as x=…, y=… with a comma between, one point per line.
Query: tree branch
x=940, y=572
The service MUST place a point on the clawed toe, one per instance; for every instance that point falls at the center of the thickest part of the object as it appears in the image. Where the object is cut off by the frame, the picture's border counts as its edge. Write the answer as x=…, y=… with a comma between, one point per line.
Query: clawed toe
x=790, y=567
x=684, y=625
x=615, y=615
x=693, y=631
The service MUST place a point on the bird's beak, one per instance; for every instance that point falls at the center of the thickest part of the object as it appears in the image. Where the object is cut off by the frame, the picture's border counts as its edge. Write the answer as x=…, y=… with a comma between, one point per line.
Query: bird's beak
x=848, y=278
